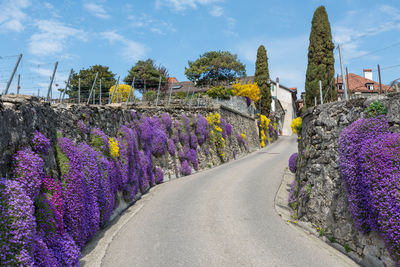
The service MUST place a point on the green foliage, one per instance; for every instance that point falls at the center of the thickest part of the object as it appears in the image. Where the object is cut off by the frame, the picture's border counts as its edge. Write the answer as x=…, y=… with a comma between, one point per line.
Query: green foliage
x=87, y=77
x=332, y=239
x=220, y=92
x=180, y=95
x=321, y=232
x=347, y=248
x=261, y=77
x=147, y=75
x=307, y=189
x=150, y=96
x=320, y=59
x=62, y=160
x=376, y=108
x=215, y=68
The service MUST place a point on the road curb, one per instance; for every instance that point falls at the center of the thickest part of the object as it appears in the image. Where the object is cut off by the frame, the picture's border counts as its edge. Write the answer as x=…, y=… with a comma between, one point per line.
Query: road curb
x=285, y=212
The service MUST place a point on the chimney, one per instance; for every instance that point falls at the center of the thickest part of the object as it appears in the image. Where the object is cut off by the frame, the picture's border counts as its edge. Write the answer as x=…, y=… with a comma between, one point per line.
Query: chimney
x=368, y=74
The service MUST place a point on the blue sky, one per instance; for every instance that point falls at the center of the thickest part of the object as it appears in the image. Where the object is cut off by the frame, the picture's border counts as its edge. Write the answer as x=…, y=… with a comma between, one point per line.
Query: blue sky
x=117, y=33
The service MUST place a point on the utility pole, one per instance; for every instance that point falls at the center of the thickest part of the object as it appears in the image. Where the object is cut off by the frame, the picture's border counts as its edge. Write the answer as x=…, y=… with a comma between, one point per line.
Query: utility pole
x=100, y=92
x=348, y=80
x=320, y=92
x=158, y=91
x=130, y=90
x=12, y=74
x=49, y=91
x=79, y=90
x=315, y=100
x=170, y=94
x=115, y=87
x=342, y=68
x=18, y=86
x=66, y=86
x=94, y=83
x=380, y=82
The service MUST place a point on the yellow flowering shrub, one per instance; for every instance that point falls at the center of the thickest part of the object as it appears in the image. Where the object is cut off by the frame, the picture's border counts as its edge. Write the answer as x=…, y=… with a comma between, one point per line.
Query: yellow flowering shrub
x=250, y=90
x=122, y=92
x=296, y=125
x=265, y=122
x=243, y=136
x=114, y=149
x=214, y=120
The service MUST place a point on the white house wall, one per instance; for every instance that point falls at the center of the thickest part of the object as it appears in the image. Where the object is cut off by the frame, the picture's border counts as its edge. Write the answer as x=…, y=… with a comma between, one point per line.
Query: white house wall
x=285, y=97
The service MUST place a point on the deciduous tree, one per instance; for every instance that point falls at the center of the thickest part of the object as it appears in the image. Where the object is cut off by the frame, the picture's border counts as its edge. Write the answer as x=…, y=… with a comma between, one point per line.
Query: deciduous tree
x=215, y=68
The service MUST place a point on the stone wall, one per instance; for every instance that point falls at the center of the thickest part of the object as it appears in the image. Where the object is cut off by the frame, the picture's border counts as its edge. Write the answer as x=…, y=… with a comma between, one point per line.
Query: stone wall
x=21, y=116
x=317, y=165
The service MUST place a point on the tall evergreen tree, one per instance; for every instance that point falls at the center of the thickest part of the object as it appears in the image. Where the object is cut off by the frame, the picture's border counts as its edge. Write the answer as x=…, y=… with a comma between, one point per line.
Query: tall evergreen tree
x=261, y=78
x=320, y=59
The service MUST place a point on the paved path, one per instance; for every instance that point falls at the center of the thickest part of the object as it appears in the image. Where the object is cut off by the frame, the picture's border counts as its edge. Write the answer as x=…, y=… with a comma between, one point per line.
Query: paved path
x=220, y=217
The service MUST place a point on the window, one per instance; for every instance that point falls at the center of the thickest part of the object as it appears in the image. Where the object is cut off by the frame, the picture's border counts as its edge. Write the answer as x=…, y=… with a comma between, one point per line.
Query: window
x=370, y=86
x=340, y=86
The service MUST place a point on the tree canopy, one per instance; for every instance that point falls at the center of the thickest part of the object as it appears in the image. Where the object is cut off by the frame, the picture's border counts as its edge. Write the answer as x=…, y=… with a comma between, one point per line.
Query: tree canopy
x=87, y=77
x=147, y=75
x=261, y=77
x=215, y=68
x=320, y=59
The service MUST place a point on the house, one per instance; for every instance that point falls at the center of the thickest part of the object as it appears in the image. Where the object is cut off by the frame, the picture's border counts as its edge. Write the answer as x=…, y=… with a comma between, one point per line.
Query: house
x=286, y=98
x=361, y=86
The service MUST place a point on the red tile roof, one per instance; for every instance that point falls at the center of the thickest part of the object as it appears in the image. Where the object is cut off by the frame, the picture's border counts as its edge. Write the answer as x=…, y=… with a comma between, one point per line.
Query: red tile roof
x=172, y=80
x=358, y=83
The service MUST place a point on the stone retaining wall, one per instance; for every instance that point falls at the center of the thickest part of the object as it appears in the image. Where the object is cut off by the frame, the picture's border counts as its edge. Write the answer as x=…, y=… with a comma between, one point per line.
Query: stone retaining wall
x=317, y=165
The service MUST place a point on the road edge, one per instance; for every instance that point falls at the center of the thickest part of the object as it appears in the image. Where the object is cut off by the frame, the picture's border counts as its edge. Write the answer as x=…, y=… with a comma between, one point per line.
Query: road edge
x=305, y=228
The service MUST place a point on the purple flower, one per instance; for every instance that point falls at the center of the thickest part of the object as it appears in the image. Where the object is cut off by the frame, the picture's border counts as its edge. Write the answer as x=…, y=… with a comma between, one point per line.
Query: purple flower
x=28, y=171
x=159, y=142
x=159, y=175
x=167, y=121
x=202, y=129
x=40, y=144
x=185, y=168
x=17, y=225
x=82, y=127
x=171, y=147
x=228, y=129
x=292, y=162
x=248, y=101
x=193, y=141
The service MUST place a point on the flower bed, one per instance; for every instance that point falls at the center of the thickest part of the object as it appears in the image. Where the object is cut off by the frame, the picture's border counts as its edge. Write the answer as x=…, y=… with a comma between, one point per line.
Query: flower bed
x=46, y=220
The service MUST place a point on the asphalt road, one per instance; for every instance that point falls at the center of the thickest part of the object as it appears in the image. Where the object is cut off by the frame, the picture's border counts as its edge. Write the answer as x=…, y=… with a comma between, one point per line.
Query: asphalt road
x=220, y=217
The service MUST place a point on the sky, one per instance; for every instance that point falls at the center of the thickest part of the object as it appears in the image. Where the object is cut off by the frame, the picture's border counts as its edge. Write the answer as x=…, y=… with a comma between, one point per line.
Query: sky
x=118, y=33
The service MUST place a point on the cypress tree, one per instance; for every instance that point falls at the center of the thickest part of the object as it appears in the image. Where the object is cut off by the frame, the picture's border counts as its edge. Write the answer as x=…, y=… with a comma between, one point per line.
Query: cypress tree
x=261, y=77
x=320, y=59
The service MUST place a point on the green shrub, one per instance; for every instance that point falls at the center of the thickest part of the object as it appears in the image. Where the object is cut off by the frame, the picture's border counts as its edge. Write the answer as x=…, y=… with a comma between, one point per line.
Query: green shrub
x=347, y=248
x=180, y=95
x=220, y=92
x=376, y=108
x=150, y=96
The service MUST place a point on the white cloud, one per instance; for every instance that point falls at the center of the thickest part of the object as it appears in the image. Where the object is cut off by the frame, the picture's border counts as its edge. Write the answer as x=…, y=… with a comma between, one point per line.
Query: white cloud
x=96, y=10
x=12, y=17
x=217, y=11
x=52, y=37
x=148, y=22
x=130, y=50
x=180, y=5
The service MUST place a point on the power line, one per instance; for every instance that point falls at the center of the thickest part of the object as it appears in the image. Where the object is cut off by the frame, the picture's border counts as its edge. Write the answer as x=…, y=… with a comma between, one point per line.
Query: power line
x=375, y=51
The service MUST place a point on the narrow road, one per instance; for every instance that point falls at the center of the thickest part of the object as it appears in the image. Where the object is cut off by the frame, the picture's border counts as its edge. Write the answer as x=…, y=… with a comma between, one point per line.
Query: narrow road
x=220, y=217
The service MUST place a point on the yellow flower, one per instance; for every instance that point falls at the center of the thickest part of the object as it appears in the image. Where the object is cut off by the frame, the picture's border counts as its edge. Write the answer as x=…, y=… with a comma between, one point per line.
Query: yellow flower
x=114, y=149
x=262, y=144
x=218, y=129
x=243, y=135
x=250, y=90
x=296, y=125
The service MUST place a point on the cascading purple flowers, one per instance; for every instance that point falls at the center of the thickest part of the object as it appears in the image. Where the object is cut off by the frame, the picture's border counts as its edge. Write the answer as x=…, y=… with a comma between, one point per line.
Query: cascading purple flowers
x=159, y=175
x=171, y=147
x=228, y=129
x=185, y=168
x=167, y=121
x=202, y=129
x=292, y=162
x=28, y=171
x=40, y=144
x=17, y=225
x=369, y=163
